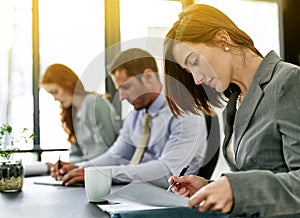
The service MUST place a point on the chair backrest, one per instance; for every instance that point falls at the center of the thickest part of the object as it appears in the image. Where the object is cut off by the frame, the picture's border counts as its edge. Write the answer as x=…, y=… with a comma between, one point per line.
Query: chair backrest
x=213, y=147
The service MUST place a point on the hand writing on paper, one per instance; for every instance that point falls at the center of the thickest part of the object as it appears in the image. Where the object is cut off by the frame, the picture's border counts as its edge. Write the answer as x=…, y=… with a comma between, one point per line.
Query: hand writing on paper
x=187, y=185
x=64, y=168
x=216, y=196
x=74, y=176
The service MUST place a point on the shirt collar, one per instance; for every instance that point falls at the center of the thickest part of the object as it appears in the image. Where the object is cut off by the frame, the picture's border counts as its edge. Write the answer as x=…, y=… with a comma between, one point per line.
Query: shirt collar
x=155, y=107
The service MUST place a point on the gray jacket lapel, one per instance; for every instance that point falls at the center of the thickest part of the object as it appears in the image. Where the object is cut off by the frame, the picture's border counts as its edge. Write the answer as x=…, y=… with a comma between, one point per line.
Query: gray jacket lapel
x=245, y=113
x=253, y=96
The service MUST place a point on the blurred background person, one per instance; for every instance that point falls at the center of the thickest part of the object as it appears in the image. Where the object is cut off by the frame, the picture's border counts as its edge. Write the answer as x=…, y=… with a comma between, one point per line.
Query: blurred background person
x=89, y=119
x=171, y=144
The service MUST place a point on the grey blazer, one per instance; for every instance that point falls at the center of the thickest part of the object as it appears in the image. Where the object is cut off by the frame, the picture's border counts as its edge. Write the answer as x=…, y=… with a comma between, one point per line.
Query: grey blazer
x=267, y=143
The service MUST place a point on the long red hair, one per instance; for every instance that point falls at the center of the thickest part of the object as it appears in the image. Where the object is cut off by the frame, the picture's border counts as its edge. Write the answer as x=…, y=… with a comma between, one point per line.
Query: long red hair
x=64, y=77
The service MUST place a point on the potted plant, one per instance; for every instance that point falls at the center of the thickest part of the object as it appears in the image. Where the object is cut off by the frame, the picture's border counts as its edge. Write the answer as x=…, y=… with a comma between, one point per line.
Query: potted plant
x=11, y=170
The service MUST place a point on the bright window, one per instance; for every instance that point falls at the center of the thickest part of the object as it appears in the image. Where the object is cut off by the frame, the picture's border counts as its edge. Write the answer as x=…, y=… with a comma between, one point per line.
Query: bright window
x=16, y=102
x=71, y=33
x=144, y=24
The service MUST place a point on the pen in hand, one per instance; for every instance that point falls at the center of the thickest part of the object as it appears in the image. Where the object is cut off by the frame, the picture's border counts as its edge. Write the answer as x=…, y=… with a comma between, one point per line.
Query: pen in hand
x=58, y=167
x=182, y=172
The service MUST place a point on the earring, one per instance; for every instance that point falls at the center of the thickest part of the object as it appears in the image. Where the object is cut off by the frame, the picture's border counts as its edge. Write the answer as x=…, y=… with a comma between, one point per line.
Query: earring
x=197, y=81
x=226, y=48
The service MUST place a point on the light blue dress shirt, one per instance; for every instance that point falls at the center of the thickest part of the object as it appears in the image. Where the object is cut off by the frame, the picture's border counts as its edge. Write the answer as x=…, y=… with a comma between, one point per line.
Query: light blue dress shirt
x=173, y=144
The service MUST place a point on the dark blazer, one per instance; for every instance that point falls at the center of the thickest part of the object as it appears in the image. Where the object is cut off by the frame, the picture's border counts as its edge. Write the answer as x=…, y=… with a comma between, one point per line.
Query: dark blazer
x=267, y=143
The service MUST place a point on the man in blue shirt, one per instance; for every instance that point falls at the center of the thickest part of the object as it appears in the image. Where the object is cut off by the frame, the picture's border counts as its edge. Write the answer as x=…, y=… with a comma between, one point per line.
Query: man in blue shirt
x=174, y=143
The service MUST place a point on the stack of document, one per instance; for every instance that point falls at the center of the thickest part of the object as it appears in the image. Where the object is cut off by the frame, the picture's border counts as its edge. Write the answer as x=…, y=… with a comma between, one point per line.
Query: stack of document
x=141, y=196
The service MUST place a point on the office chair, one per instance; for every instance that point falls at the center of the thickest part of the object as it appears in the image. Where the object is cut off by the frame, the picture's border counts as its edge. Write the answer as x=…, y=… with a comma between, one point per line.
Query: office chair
x=213, y=147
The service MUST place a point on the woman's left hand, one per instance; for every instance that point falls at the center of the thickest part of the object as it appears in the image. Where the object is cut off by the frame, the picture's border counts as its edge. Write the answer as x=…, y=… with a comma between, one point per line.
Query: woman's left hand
x=73, y=176
x=216, y=196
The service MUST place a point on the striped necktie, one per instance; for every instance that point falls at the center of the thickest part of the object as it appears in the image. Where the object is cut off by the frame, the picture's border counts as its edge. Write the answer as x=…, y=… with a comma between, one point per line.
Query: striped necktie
x=140, y=150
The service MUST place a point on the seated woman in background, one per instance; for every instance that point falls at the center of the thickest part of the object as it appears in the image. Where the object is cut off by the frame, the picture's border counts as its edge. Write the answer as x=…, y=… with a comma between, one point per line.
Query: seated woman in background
x=90, y=120
x=207, y=53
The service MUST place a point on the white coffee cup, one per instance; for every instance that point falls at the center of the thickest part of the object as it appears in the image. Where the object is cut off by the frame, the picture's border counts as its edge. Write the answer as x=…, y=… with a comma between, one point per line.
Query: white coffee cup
x=97, y=181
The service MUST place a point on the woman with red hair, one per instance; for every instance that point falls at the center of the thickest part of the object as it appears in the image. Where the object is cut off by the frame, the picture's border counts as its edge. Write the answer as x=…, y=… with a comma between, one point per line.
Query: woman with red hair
x=89, y=119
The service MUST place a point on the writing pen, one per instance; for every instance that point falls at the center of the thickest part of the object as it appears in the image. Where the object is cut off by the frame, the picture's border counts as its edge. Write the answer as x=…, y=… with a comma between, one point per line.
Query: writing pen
x=182, y=172
x=59, y=163
x=58, y=166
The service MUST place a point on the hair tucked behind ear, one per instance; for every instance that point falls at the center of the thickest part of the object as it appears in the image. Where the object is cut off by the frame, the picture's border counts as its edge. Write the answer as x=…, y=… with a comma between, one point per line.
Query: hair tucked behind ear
x=198, y=23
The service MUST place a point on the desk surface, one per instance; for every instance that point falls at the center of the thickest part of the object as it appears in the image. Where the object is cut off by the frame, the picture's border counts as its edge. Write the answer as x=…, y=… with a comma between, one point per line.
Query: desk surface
x=47, y=201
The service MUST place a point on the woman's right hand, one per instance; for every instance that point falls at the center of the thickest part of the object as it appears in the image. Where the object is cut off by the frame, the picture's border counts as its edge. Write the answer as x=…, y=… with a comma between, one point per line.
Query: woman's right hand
x=187, y=185
x=59, y=173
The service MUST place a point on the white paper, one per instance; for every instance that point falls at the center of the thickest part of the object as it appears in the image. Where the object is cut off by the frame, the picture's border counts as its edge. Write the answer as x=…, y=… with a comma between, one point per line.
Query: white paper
x=47, y=180
x=121, y=207
x=142, y=196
